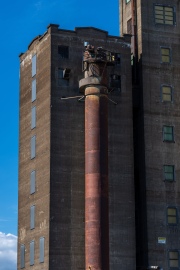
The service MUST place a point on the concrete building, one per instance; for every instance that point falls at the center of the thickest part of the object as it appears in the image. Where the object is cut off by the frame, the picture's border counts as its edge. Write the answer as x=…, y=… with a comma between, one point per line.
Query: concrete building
x=143, y=143
x=154, y=26
x=52, y=152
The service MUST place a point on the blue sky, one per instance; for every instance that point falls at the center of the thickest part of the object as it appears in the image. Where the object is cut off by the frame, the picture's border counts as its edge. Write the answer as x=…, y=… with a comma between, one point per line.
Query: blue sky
x=20, y=22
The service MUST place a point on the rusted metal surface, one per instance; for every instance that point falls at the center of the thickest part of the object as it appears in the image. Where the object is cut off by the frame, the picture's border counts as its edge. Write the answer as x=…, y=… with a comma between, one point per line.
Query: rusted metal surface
x=96, y=179
x=94, y=86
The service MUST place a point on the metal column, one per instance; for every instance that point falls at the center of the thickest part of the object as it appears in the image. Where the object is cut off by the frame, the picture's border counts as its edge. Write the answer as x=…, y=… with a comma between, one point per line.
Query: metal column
x=96, y=165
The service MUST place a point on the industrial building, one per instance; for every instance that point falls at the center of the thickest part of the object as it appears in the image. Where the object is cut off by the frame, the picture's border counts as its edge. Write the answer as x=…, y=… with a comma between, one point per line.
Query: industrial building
x=141, y=139
x=154, y=26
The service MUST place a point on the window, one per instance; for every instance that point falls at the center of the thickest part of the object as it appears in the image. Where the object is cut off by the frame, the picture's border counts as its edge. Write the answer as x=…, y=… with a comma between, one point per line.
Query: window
x=32, y=253
x=63, y=76
x=168, y=134
x=34, y=65
x=33, y=98
x=129, y=26
x=165, y=55
x=164, y=15
x=33, y=117
x=113, y=57
x=115, y=81
x=118, y=58
x=173, y=259
x=63, y=51
x=41, y=250
x=32, y=217
x=33, y=147
x=22, y=256
x=33, y=182
x=132, y=59
x=171, y=215
x=127, y=1
x=168, y=172
x=166, y=92
x=60, y=73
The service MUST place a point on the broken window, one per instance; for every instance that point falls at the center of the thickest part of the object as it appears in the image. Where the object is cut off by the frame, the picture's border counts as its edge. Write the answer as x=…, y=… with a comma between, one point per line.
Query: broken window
x=63, y=76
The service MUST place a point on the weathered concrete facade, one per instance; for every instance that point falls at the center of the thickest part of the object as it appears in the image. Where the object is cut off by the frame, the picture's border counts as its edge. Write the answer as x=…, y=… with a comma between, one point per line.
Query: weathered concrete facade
x=157, y=26
x=59, y=148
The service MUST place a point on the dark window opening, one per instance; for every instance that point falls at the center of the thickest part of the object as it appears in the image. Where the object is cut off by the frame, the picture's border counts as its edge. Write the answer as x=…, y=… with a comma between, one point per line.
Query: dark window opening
x=129, y=27
x=63, y=51
x=118, y=58
x=63, y=76
x=115, y=81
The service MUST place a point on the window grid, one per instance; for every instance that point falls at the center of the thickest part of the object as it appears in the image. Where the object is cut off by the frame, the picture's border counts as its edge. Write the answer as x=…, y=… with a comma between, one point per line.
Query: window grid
x=168, y=133
x=172, y=216
x=173, y=259
x=166, y=91
x=164, y=15
x=165, y=55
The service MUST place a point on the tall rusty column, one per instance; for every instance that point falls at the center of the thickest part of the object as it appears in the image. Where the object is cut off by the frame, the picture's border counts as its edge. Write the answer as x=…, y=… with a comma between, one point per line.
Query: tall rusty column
x=96, y=161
